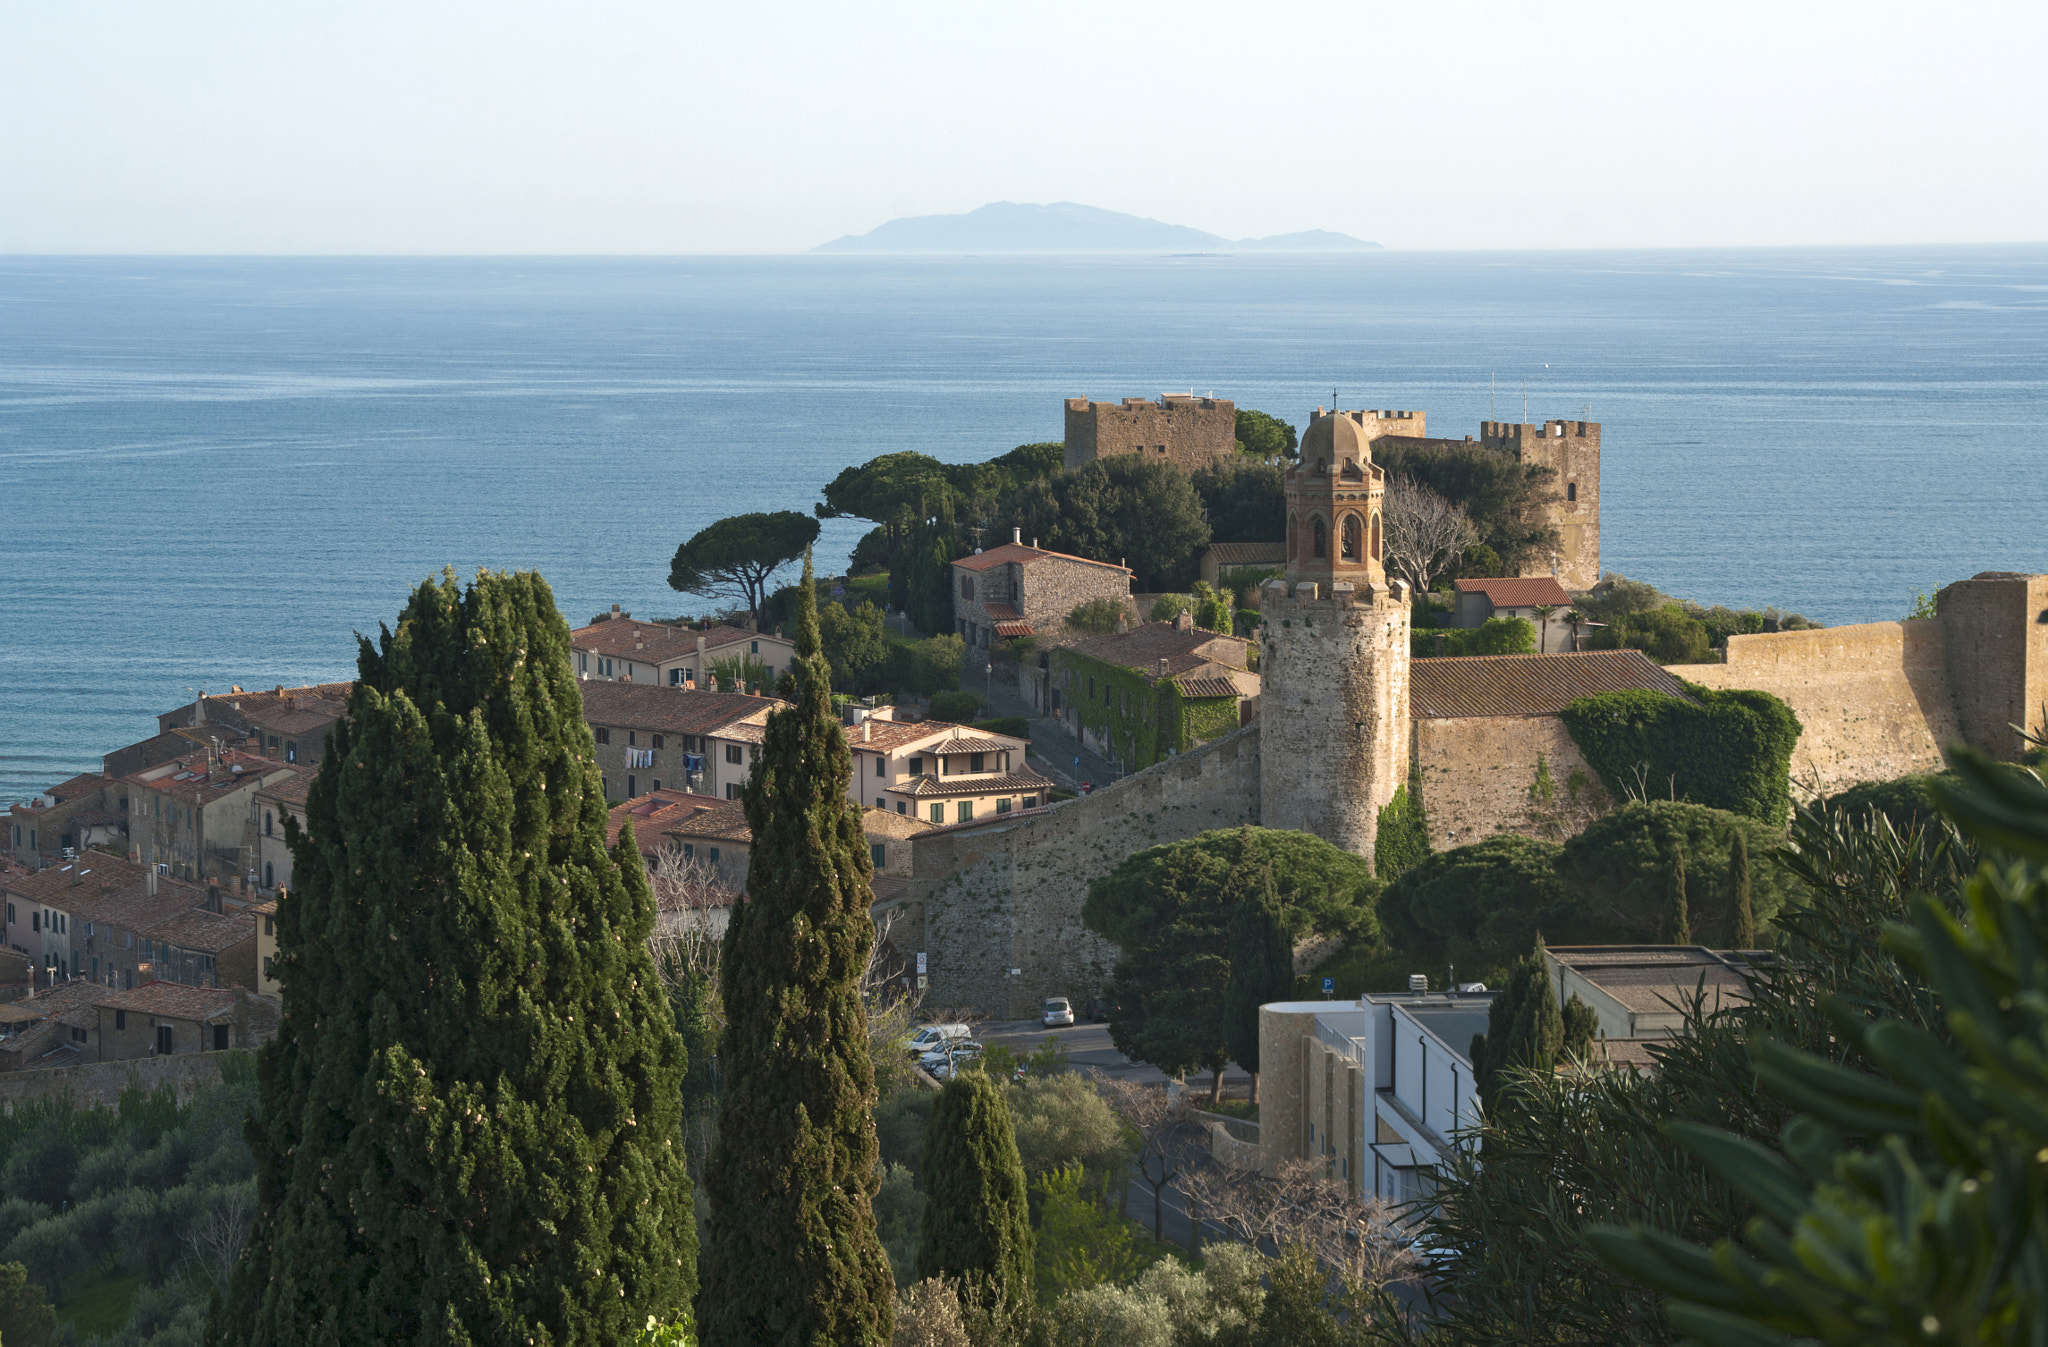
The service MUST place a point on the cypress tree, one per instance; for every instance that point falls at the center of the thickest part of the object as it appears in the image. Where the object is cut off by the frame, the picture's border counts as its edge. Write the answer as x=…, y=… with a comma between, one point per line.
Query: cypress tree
x=1261, y=970
x=793, y=1256
x=1677, y=916
x=1738, y=884
x=1524, y=1028
x=470, y=1119
x=977, y=1220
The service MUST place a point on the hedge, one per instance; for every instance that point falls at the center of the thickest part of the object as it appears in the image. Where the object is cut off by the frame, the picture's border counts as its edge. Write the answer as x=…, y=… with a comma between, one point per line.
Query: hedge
x=1727, y=749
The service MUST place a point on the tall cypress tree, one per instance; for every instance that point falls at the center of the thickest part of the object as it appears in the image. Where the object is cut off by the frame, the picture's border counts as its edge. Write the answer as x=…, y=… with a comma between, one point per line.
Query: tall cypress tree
x=1524, y=1028
x=1261, y=970
x=793, y=1257
x=470, y=1117
x=977, y=1221
x=1677, y=914
x=1738, y=884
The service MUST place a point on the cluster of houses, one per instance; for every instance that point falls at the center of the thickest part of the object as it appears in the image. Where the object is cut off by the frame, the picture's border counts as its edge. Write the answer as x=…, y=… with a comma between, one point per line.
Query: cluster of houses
x=141, y=899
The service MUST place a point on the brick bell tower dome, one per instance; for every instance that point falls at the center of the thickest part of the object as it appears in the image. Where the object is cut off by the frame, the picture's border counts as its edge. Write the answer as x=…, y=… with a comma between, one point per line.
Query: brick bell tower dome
x=1334, y=499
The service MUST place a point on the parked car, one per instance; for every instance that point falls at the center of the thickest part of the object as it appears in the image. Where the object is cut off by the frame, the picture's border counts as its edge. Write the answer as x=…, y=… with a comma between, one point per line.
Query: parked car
x=1059, y=1013
x=934, y=1036
x=1099, y=1012
x=950, y=1057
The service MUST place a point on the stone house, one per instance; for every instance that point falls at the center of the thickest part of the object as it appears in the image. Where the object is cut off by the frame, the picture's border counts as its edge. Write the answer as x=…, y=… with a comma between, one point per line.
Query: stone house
x=204, y=949
x=52, y=1028
x=43, y=905
x=68, y=817
x=1220, y=558
x=194, y=817
x=618, y=646
x=288, y=725
x=653, y=736
x=1153, y=691
x=1014, y=590
x=1479, y=600
x=163, y=1019
x=719, y=837
x=939, y=772
x=273, y=803
x=119, y=946
x=652, y=814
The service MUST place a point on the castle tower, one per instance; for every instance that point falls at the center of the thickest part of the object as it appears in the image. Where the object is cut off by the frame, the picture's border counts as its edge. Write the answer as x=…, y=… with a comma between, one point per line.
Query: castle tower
x=1333, y=703
x=1570, y=449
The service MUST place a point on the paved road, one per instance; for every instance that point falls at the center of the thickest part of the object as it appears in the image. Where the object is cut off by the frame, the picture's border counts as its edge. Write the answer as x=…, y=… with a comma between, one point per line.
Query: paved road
x=1053, y=750
x=1088, y=1048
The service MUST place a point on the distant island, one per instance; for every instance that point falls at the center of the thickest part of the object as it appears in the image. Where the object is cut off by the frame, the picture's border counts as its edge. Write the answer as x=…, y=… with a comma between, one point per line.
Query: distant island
x=1068, y=227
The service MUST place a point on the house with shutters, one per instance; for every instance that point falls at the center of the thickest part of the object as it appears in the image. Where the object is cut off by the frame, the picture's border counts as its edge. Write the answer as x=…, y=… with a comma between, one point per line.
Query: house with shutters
x=618, y=646
x=194, y=817
x=67, y=818
x=939, y=772
x=274, y=802
x=653, y=736
x=164, y=1019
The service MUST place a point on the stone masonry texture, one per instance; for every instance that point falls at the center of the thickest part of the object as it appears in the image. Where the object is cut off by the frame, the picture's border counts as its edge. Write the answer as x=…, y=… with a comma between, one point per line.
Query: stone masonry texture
x=1187, y=432
x=1572, y=450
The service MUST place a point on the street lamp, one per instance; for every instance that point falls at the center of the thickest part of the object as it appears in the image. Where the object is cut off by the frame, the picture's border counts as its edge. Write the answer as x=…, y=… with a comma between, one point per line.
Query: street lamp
x=988, y=687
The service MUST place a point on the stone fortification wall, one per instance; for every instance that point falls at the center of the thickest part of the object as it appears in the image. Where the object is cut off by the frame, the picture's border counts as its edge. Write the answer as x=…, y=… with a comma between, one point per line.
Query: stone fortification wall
x=102, y=1082
x=990, y=898
x=1873, y=701
x=1996, y=628
x=1333, y=703
x=1187, y=432
x=1479, y=778
x=1572, y=450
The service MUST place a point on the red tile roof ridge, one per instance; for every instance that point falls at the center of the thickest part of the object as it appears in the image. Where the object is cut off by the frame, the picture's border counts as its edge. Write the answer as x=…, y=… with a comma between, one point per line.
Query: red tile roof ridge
x=1524, y=591
x=1022, y=555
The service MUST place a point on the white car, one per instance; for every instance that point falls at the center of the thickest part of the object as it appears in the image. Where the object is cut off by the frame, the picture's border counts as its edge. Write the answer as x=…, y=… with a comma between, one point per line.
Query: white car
x=1059, y=1013
x=935, y=1036
x=944, y=1061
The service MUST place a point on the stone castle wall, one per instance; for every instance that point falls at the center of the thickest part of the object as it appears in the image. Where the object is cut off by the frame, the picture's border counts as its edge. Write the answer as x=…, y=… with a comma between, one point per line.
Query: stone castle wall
x=1873, y=701
x=103, y=1082
x=1333, y=704
x=1996, y=628
x=1479, y=778
x=1187, y=432
x=987, y=899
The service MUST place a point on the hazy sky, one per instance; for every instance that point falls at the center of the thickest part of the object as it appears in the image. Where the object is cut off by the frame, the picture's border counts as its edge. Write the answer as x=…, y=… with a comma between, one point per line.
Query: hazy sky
x=684, y=128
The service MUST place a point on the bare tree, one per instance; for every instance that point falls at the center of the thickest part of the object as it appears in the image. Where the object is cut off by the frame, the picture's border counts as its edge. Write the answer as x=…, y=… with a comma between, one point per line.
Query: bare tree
x=214, y=1238
x=1299, y=1203
x=1426, y=534
x=1156, y=1115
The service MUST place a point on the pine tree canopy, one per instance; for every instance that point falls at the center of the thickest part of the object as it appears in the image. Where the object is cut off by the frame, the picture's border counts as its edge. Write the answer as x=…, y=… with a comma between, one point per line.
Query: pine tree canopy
x=977, y=1221
x=470, y=1121
x=1261, y=968
x=793, y=1256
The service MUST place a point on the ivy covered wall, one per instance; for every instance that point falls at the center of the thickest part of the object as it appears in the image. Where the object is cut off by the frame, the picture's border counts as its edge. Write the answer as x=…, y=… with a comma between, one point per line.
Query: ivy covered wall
x=1142, y=721
x=1726, y=749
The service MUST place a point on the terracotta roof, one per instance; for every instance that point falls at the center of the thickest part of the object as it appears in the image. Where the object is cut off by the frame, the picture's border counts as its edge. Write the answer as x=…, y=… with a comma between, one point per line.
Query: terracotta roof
x=204, y=780
x=93, y=876
x=1529, y=591
x=650, y=706
x=1206, y=687
x=746, y=731
x=659, y=642
x=173, y=1000
x=724, y=822
x=1248, y=554
x=201, y=931
x=1014, y=629
x=294, y=711
x=655, y=812
x=967, y=743
x=888, y=888
x=934, y=786
x=1024, y=556
x=57, y=1000
x=290, y=790
x=85, y=783
x=133, y=907
x=1142, y=647
x=1001, y=612
x=263, y=909
x=1527, y=685
x=891, y=735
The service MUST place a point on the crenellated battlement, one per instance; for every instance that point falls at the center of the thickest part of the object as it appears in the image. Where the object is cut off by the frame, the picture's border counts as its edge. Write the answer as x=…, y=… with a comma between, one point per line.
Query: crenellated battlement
x=1187, y=431
x=1503, y=434
x=1307, y=598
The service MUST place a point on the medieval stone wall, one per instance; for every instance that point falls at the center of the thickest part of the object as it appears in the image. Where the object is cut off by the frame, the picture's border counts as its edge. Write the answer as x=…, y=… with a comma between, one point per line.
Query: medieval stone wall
x=101, y=1083
x=1996, y=628
x=1572, y=450
x=1187, y=432
x=1873, y=701
x=1480, y=777
x=988, y=899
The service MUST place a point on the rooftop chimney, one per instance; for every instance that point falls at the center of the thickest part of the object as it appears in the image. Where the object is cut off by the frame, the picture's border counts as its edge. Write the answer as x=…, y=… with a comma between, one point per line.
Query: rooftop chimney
x=867, y=732
x=1017, y=536
x=150, y=877
x=199, y=709
x=1185, y=622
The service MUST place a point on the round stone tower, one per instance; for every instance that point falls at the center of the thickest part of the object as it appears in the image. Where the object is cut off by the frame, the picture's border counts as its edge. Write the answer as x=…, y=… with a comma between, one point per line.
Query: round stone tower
x=1333, y=696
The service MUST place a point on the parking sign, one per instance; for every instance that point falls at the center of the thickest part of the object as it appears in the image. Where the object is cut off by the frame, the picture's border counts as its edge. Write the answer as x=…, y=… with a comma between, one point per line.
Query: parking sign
x=1329, y=986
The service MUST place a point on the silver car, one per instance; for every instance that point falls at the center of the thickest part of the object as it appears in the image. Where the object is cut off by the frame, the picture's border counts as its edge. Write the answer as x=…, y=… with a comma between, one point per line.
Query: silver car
x=1059, y=1013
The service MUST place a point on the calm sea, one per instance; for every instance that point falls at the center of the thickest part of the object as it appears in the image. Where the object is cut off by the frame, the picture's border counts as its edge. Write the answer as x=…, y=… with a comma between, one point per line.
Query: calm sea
x=213, y=471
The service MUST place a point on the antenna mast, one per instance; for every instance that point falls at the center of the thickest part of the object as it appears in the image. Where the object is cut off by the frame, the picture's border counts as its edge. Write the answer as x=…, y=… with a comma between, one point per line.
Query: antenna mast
x=1490, y=377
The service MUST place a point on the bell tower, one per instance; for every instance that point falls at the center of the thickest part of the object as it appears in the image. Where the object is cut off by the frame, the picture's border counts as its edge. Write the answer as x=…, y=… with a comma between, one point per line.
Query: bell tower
x=1333, y=704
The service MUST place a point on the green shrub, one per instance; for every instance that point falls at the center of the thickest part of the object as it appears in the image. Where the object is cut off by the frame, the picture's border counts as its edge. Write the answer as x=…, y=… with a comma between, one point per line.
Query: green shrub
x=1167, y=607
x=958, y=707
x=1616, y=871
x=1495, y=636
x=1725, y=748
x=1904, y=801
x=1402, y=841
x=1479, y=906
x=1097, y=615
x=1669, y=635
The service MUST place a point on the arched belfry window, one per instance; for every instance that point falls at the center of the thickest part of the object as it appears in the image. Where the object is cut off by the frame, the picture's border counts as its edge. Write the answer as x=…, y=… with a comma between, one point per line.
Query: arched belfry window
x=1322, y=540
x=1376, y=537
x=1354, y=534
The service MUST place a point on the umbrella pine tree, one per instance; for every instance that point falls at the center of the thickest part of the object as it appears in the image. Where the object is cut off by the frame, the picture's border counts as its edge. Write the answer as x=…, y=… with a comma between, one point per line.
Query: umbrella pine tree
x=470, y=1119
x=1261, y=970
x=793, y=1256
